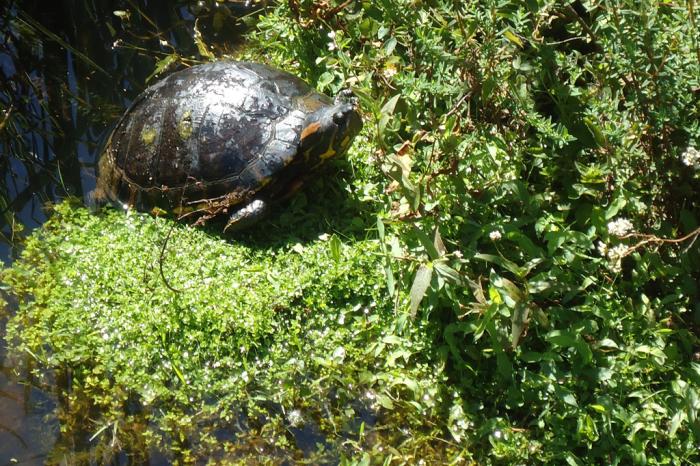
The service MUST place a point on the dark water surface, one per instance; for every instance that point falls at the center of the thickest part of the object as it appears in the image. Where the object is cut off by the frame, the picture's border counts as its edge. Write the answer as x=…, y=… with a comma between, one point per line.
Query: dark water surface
x=68, y=69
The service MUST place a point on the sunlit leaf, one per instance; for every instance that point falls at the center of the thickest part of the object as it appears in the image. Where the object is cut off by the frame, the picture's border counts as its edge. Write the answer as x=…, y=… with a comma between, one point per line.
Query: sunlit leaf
x=335, y=246
x=511, y=36
x=390, y=105
x=447, y=273
x=427, y=243
x=503, y=262
x=421, y=282
x=202, y=47
x=163, y=65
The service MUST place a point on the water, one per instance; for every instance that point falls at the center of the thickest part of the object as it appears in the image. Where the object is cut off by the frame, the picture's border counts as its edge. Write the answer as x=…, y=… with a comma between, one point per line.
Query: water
x=68, y=69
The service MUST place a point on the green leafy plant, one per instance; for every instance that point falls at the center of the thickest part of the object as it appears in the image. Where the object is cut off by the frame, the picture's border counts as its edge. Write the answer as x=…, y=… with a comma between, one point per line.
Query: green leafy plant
x=522, y=212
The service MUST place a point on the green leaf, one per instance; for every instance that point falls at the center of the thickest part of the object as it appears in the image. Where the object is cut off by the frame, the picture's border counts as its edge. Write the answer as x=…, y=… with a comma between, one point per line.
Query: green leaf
x=437, y=242
x=420, y=285
x=447, y=273
x=596, y=132
x=615, y=207
x=571, y=340
x=163, y=64
x=390, y=45
x=503, y=262
x=380, y=231
x=598, y=408
x=202, y=47
x=389, y=107
x=676, y=422
x=513, y=294
x=388, y=272
x=335, y=247
x=427, y=243
x=511, y=36
x=324, y=80
x=519, y=323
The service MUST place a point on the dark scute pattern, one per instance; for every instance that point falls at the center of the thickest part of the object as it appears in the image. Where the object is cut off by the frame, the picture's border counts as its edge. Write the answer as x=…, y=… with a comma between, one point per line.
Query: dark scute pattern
x=138, y=148
x=207, y=124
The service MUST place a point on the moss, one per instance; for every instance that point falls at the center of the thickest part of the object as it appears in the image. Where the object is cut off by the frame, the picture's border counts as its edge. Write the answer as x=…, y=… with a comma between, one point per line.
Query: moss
x=148, y=135
x=184, y=128
x=273, y=345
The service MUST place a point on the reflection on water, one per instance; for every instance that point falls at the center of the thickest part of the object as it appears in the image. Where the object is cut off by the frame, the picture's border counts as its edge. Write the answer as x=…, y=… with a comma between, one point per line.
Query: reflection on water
x=67, y=71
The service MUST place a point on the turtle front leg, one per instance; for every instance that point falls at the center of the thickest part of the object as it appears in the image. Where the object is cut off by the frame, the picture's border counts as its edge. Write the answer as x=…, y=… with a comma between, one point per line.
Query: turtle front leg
x=247, y=215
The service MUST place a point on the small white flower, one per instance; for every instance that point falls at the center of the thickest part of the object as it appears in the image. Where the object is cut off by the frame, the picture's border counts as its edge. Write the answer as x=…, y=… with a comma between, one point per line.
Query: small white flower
x=331, y=35
x=618, y=252
x=495, y=235
x=389, y=71
x=458, y=254
x=497, y=434
x=615, y=256
x=602, y=248
x=339, y=354
x=620, y=227
x=331, y=46
x=691, y=157
x=295, y=418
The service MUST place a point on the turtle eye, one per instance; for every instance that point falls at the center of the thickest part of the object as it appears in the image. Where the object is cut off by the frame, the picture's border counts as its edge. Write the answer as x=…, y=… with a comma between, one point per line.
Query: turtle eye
x=338, y=118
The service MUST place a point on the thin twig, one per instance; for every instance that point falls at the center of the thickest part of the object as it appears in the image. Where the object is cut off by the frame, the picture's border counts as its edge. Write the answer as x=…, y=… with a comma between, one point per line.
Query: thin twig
x=160, y=260
x=583, y=23
x=330, y=13
x=653, y=239
x=8, y=114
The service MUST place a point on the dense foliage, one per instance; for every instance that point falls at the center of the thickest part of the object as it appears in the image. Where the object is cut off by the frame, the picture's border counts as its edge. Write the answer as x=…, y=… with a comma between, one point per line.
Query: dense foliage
x=533, y=171
x=538, y=196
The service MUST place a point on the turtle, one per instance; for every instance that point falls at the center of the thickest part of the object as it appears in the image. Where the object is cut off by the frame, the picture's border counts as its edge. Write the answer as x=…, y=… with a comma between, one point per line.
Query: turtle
x=225, y=138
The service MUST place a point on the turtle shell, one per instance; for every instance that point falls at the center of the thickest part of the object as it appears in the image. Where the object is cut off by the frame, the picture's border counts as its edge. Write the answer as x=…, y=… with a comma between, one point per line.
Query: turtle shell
x=215, y=133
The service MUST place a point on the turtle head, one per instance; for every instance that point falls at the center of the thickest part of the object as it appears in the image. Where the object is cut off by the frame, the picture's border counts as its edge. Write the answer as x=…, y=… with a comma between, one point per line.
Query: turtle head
x=329, y=131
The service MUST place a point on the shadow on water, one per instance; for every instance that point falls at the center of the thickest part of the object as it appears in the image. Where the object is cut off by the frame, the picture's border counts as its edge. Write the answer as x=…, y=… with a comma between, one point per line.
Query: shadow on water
x=68, y=69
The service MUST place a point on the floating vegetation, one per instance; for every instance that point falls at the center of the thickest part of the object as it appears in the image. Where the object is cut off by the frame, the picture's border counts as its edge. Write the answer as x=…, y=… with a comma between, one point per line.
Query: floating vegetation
x=282, y=351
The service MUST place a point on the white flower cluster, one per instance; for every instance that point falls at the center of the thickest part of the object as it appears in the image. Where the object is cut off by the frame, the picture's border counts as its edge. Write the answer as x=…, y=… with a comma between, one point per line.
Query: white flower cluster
x=495, y=235
x=614, y=255
x=620, y=227
x=691, y=157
